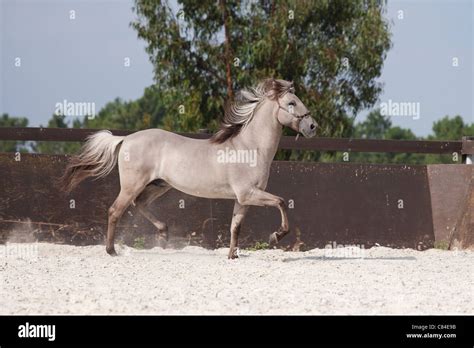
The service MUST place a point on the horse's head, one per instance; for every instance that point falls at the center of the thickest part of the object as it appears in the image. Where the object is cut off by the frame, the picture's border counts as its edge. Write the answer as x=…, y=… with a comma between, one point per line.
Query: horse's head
x=292, y=112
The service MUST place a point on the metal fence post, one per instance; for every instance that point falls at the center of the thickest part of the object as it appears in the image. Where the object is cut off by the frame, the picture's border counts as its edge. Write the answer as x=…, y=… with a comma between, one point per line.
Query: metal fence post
x=467, y=157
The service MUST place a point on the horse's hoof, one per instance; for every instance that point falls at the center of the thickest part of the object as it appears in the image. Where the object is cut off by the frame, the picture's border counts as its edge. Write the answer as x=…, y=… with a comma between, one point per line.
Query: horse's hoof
x=273, y=240
x=163, y=233
x=111, y=251
x=162, y=241
x=233, y=254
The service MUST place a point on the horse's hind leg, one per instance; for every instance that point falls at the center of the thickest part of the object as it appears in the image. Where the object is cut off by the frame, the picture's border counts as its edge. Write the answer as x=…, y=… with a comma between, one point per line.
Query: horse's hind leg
x=121, y=203
x=149, y=194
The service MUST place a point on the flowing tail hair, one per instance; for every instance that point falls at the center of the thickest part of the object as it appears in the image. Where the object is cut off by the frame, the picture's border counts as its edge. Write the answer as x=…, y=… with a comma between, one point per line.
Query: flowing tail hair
x=97, y=158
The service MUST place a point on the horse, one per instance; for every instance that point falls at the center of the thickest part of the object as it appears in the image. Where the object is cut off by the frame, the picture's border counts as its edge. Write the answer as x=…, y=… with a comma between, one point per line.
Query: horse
x=233, y=164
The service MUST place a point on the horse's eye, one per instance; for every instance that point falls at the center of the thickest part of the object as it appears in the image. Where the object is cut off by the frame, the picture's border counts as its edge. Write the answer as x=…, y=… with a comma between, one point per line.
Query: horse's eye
x=292, y=103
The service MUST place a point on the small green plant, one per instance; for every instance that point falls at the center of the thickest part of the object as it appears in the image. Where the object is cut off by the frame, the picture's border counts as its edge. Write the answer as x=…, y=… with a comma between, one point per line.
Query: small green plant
x=139, y=243
x=441, y=244
x=259, y=246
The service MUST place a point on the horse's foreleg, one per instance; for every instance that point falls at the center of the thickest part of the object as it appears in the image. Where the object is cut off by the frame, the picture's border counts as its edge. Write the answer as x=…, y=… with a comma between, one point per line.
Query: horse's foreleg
x=261, y=198
x=121, y=203
x=237, y=218
x=148, y=195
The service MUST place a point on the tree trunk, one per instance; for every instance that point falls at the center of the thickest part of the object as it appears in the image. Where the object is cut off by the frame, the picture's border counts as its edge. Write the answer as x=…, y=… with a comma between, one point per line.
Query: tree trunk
x=228, y=57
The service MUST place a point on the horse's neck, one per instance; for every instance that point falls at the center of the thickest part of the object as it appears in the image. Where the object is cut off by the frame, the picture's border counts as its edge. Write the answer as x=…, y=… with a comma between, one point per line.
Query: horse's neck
x=263, y=133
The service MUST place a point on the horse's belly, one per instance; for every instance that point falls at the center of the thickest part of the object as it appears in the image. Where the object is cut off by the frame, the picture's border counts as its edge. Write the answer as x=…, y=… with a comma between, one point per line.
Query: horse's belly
x=218, y=192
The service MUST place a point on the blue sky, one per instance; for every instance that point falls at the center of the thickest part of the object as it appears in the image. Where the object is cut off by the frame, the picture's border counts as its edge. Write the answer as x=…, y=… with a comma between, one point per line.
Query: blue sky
x=82, y=59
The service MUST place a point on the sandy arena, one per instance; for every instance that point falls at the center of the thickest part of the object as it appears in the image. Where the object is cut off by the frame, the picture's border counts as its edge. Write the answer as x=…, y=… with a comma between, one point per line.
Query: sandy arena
x=61, y=279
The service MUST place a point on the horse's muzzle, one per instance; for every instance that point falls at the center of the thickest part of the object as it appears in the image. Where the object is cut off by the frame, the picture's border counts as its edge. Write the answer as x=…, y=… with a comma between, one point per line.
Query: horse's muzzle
x=308, y=127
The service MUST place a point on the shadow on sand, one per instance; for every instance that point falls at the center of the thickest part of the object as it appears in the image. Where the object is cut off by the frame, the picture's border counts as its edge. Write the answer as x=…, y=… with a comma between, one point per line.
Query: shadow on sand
x=326, y=258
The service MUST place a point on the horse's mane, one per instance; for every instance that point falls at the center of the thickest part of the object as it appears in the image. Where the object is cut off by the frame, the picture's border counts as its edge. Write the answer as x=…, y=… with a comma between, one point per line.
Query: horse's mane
x=239, y=113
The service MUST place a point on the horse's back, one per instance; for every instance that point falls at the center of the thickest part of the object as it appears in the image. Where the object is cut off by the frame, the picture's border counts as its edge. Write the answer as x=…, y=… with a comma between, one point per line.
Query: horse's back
x=153, y=134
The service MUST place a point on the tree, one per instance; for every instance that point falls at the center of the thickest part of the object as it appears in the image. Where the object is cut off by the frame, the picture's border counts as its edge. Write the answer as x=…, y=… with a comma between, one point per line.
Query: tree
x=10, y=121
x=374, y=127
x=59, y=147
x=204, y=51
x=451, y=128
x=145, y=112
x=378, y=126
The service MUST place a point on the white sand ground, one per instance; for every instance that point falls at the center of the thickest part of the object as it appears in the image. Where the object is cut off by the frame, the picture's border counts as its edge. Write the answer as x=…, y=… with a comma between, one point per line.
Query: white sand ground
x=60, y=279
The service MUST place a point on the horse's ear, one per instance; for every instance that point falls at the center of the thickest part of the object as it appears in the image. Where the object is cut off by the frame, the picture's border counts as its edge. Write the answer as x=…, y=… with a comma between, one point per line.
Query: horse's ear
x=292, y=88
x=274, y=84
x=270, y=86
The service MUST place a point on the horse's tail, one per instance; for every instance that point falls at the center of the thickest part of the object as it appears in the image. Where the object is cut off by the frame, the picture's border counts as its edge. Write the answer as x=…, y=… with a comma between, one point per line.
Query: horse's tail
x=97, y=158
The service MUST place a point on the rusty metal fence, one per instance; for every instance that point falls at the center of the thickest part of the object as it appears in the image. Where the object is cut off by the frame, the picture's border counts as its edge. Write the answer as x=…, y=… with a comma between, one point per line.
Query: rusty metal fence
x=417, y=206
x=464, y=146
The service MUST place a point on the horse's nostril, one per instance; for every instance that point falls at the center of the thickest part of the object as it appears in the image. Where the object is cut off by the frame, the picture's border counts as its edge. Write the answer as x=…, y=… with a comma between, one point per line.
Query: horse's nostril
x=312, y=126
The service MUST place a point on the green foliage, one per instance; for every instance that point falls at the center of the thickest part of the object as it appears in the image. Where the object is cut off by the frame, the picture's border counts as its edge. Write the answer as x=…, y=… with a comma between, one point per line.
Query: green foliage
x=303, y=41
x=259, y=246
x=441, y=244
x=374, y=127
x=139, y=243
x=451, y=128
x=10, y=121
x=59, y=147
x=145, y=112
x=377, y=126
x=448, y=129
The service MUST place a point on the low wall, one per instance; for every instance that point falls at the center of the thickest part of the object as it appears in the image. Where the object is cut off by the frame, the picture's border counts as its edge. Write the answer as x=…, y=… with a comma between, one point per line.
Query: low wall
x=452, y=199
x=342, y=203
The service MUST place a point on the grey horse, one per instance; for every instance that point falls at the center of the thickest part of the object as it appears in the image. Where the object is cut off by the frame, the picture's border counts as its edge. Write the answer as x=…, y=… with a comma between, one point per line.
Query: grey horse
x=233, y=164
